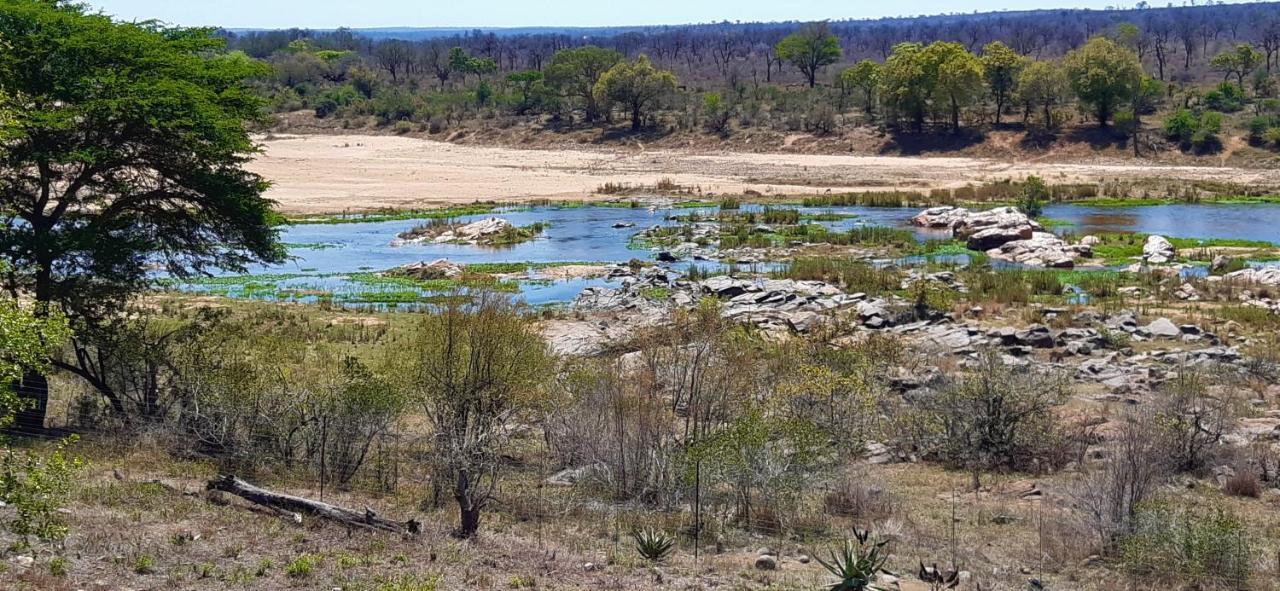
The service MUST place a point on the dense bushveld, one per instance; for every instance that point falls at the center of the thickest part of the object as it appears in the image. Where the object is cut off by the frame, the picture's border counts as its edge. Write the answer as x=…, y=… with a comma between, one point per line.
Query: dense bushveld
x=936, y=83
x=709, y=435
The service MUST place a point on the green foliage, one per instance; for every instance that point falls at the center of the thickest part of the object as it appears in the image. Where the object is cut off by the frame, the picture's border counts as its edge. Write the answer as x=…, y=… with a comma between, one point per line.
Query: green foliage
x=1104, y=76
x=1227, y=97
x=576, y=72
x=865, y=76
x=856, y=563
x=1044, y=85
x=717, y=111
x=1192, y=545
x=26, y=342
x=532, y=87
x=37, y=488
x=959, y=76
x=653, y=545
x=1002, y=67
x=1034, y=194
x=809, y=49
x=919, y=79
x=303, y=566
x=108, y=102
x=636, y=85
x=1239, y=61
x=763, y=457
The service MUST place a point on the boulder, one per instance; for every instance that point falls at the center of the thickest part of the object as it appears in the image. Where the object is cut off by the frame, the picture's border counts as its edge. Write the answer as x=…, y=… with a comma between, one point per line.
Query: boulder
x=1263, y=275
x=982, y=230
x=1162, y=327
x=1157, y=250
x=437, y=269
x=766, y=562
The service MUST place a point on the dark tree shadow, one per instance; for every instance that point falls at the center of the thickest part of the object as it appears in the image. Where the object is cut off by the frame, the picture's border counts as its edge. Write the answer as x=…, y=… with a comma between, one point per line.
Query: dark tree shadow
x=907, y=143
x=1099, y=138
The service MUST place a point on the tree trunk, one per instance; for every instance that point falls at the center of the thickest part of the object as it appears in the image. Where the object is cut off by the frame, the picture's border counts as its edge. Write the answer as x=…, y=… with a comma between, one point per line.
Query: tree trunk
x=33, y=387
x=636, y=118
x=284, y=502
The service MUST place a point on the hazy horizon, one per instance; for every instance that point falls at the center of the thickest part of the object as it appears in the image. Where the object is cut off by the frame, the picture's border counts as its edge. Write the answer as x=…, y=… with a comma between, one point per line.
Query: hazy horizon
x=329, y=14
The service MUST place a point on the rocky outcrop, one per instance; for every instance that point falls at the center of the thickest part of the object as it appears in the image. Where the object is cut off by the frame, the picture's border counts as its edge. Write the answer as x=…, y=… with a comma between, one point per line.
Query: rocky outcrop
x=478, y=232
x=1043, y=249
x=437, y=269
x=1157, y=250
x=1263, y=275
x=981, y=230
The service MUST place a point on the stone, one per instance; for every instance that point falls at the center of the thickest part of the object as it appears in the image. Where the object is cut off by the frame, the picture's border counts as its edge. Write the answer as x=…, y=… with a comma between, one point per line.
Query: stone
x=620, y=225
x=1162, y=327
x=1263, y=275
x=1157, y=250
x=766, y=562
x=437, y=269
x=666, y=257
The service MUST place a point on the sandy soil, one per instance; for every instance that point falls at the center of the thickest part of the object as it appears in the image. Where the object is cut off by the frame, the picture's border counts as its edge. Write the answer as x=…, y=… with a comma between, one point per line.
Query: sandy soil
x=334, y=173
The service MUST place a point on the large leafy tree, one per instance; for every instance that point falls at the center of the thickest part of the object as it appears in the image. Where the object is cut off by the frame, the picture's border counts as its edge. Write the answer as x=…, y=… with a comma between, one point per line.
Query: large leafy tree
x=906, y=85
x=575, y=73
x=957, y=75
x=865, y=76
x=636, y=85
x=1104, y=76
x=1001, y=66
x=1043, y=85
x=124, y=152
x=1239, y=61
x=810, y=49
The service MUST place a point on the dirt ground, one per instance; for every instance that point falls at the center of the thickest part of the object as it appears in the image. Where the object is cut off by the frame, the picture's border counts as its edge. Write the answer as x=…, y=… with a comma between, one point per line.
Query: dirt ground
x=335, y=173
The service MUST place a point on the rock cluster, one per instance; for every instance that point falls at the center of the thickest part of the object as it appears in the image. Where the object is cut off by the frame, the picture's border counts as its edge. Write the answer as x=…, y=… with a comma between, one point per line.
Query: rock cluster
x=1157, y=250
x=424, y=271
x=477, y=232
x=1005, y=233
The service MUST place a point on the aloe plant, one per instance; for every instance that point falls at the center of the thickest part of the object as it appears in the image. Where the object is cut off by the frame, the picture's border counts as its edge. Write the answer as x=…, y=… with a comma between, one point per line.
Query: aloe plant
x=653, y=545
x=856, y=564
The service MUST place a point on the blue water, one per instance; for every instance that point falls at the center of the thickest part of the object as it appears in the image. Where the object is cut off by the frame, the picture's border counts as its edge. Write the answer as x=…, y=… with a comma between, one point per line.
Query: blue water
x=586, y=234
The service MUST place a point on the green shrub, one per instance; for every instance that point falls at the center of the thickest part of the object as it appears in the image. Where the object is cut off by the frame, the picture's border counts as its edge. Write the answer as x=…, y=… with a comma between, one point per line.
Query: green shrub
x=303, y=565
x=653, y=545
x=37, y=487
x=856, y=564
x=1188, y=544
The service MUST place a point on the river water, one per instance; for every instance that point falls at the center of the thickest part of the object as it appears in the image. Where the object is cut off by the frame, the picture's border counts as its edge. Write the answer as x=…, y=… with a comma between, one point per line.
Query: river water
x=322, y=252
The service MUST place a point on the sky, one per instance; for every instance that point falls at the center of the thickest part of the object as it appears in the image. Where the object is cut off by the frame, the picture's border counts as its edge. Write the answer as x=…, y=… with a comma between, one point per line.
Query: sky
x=324, y=14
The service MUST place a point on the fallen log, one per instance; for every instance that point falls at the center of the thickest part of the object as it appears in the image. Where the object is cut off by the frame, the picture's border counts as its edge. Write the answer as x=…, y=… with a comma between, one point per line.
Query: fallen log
x=285, y=503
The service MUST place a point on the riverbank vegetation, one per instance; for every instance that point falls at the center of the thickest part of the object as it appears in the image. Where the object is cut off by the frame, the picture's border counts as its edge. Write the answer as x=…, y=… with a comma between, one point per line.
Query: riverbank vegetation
x=1181, y=82
x=1090, y=430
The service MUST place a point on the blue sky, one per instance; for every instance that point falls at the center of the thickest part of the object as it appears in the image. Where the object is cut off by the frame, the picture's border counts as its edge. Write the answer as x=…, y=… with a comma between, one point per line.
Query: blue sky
x=509, y=13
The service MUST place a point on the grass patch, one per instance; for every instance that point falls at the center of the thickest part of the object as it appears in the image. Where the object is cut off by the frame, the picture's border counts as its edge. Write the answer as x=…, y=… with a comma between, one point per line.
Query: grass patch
x=393, y=215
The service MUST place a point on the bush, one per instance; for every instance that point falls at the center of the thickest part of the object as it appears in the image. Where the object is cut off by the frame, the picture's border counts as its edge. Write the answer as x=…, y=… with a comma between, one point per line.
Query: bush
x=1227, y=97
x=1181, y=125
x=1188, y=544
x=37, y=488
x=1243, y=484
x=994, y=416
x=1199, y=133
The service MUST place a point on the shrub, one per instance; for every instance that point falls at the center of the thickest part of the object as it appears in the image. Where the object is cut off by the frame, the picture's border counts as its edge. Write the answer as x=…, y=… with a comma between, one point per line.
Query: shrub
x=1243, y=484
x=856, y=564
x=653, y=545
x=1033, y=195
x=37, y=488
x=994, y=416
x=303, y=565
x=1227, y=97
x=1188, y=544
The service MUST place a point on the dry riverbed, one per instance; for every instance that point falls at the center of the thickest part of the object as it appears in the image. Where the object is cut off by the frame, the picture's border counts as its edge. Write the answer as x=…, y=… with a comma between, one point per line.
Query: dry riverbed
x=333, y=173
